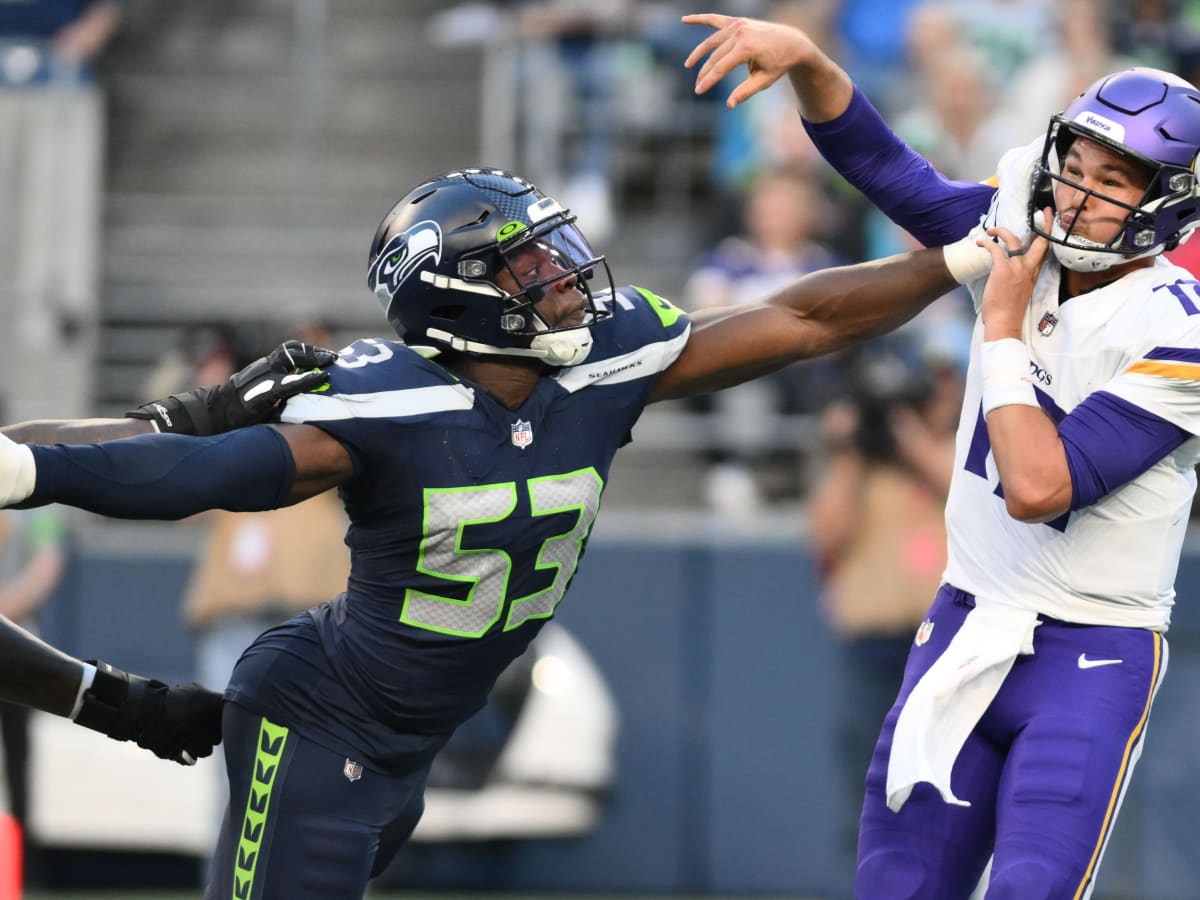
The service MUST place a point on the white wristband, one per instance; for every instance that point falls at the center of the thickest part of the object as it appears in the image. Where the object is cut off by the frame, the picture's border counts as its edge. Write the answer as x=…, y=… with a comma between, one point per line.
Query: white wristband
x=1006, y=378
x=965, y=260
x=89, y=675
x=18, y=472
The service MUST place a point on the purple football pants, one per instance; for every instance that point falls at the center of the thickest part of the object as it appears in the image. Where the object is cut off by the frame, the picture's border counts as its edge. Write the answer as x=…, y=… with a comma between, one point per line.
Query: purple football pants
x=1044, y=770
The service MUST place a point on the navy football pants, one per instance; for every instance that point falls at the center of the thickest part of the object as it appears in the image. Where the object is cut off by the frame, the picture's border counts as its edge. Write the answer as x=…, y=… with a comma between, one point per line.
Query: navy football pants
x=303, y=822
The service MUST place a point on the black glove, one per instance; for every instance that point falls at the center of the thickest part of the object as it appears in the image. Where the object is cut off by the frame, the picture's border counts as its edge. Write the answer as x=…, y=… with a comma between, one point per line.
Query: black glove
x=180, y=723
x=249, y=397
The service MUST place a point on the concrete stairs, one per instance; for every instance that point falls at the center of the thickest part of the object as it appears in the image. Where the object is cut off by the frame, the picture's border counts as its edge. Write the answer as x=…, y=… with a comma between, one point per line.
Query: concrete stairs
x=253, y=148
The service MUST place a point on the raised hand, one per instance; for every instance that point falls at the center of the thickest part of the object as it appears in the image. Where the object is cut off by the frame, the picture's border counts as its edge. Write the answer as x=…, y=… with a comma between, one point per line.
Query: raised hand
x=769, y=50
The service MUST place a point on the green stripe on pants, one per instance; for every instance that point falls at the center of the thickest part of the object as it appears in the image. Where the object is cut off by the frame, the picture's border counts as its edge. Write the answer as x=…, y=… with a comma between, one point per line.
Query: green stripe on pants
x=271, y=741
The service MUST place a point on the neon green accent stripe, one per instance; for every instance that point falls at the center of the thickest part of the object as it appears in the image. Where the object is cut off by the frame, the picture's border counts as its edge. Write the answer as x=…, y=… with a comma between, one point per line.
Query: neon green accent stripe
x=667, y=312
x=271, y=740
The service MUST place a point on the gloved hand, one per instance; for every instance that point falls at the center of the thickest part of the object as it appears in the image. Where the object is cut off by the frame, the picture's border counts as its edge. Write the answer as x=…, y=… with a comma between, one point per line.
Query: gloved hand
x=180, y=722
x=249, y=397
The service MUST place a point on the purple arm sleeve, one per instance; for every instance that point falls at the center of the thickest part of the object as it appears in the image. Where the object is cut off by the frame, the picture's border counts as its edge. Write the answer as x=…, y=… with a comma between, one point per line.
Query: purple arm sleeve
x=897, y=179
x=1110, y=441
x=168, y=476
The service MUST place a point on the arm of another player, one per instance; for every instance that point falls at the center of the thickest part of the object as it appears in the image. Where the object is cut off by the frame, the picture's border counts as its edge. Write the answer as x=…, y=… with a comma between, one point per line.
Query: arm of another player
x=820, y=313
x=249, y=397
x=172, y=476
x=846, y=129
x=180, y=722
x=769, y=51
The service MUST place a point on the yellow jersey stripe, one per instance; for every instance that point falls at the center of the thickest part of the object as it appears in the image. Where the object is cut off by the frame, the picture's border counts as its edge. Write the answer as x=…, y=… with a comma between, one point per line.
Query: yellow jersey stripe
x=1189, y=371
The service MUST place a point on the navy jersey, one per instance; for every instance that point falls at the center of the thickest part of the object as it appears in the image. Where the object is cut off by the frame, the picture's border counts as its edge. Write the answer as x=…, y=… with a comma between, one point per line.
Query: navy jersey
x=467, y=521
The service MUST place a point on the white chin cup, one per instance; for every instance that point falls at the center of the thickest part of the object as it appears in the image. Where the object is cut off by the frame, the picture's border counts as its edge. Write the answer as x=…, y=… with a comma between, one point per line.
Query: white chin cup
x=563, y=348
x=1083, y=259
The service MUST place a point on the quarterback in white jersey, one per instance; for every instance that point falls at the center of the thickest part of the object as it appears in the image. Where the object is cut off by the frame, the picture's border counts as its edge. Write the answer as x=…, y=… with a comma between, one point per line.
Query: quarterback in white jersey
x=1029, y=685
x=1112, y=562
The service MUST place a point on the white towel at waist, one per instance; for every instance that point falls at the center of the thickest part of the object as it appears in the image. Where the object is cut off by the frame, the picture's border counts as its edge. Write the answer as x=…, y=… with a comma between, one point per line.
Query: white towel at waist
x=951, y=697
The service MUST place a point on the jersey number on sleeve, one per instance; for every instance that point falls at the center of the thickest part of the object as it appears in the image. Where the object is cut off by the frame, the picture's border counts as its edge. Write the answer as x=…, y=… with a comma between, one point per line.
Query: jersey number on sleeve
x=1181, y=290
x=488, y=571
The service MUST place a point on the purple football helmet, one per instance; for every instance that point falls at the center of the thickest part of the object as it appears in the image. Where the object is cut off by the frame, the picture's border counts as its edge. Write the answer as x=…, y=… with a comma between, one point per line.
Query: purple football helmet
x=1149, y=116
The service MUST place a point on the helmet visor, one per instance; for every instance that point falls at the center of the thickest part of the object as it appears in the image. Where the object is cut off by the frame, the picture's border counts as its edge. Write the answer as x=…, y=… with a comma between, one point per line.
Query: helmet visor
x=542, y=259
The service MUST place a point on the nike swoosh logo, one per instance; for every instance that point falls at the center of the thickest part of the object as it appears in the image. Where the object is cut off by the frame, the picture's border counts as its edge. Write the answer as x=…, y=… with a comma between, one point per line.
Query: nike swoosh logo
x=1085, y=663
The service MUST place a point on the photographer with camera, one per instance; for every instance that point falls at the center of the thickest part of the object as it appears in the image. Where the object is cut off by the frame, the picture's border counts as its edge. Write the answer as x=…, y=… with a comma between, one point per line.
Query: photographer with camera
x=877, y=531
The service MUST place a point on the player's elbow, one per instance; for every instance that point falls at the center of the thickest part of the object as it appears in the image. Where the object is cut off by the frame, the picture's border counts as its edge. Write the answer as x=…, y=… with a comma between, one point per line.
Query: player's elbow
x=1030, y=502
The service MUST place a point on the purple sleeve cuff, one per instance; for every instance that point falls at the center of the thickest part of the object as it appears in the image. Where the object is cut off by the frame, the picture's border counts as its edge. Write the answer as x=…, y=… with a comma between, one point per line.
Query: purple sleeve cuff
x=897, y=179
x=1109, y=441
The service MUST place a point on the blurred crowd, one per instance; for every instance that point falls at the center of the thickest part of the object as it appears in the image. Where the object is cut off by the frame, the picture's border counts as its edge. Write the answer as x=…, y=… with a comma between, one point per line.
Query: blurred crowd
x=605, y=117
x=593, y=104
x=591, y=101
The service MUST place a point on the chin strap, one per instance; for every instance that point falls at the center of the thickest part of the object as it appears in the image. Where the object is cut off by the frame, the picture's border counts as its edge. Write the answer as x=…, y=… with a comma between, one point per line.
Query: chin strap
x=556, y=348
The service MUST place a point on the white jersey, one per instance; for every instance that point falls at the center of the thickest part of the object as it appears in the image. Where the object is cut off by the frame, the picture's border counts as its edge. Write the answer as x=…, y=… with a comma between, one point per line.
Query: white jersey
x=1114, y=562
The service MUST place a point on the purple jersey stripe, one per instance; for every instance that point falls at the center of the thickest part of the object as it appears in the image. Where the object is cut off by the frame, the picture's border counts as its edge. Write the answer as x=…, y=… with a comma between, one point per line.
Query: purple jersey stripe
x=897, y=179
x=1110, y=441
x=1180, y=354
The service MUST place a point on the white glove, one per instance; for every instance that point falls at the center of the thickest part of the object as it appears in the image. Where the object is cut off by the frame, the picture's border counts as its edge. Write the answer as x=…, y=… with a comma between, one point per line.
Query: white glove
x=18, y=474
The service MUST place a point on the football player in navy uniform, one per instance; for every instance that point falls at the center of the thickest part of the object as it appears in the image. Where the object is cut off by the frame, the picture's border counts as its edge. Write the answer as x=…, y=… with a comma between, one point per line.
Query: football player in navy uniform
x=471, y=456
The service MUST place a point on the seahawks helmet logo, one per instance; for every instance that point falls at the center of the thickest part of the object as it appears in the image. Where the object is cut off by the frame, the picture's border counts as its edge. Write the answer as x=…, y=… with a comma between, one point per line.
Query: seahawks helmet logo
x=403, y=255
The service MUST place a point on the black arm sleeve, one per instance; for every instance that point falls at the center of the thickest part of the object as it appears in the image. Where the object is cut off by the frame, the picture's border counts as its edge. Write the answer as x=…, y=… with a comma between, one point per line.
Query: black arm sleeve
x=168, y=476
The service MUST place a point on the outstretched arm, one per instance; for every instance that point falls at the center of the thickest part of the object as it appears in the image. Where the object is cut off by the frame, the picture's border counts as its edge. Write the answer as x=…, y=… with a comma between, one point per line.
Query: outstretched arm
x=35, y=674
x=843, y=124
x=821, y=312
x=249, y=397
x=172, y=476
x=181, y=723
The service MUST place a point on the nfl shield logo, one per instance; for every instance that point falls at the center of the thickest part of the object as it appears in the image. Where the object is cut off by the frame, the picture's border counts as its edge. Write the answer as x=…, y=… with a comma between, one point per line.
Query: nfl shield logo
x=924, y=632
x=522, y=434
x=1046, y=325
x=352, y=770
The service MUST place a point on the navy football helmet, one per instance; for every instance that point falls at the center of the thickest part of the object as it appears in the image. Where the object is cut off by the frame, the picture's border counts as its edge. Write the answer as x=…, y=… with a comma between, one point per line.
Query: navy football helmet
x=1146, y=115
x=436, y=256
